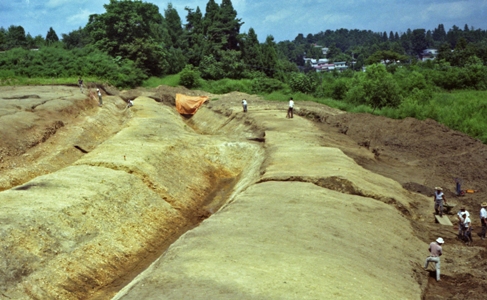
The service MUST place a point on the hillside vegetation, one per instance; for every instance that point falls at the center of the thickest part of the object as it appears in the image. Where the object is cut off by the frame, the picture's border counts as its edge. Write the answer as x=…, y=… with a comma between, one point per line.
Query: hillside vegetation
x=134, y=44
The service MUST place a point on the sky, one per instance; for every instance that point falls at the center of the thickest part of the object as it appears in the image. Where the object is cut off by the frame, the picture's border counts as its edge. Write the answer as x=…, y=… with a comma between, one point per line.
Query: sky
x=283, y=19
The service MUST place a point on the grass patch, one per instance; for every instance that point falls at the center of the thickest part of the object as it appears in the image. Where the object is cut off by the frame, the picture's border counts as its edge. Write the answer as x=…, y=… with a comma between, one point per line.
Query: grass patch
x=226, y=85
x=170, y=80
x=47, y=81
x=464, y=111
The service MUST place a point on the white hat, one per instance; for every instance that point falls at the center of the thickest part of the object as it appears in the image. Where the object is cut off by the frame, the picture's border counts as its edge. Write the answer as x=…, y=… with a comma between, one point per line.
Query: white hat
x=438, y=188
x=440, y=241
x=97, y=89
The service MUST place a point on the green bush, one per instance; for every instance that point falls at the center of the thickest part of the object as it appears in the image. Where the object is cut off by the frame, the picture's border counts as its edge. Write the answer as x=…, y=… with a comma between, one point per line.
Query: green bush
x=56, y=62
x=228, y=85
x=266, y=85
x=340, y=88
x=210, y=69
x=189, y=77
x=299, y=82
x=376, y=87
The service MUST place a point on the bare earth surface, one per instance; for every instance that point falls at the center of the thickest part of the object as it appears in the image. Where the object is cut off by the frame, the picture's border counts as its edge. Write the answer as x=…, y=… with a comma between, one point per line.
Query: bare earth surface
x=142, y=203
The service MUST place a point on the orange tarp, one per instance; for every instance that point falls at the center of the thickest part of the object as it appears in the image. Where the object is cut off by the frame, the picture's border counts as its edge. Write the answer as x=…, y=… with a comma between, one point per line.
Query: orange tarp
x=188, y=105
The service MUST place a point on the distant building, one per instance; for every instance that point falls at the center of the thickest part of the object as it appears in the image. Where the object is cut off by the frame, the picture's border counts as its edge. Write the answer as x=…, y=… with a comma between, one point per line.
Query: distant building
x=316, y=63
x=340, y=66
x=428, y=54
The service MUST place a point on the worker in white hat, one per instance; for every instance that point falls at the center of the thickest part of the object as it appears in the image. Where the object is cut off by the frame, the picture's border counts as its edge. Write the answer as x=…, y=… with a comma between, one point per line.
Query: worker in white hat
x=435, y=252
x=439, y=197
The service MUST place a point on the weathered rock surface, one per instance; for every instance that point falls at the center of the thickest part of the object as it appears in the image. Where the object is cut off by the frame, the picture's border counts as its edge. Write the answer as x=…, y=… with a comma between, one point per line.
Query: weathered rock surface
x=92, y=196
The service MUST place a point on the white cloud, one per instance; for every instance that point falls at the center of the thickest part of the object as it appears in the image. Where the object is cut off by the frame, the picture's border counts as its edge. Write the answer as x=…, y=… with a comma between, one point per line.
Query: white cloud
x=80, y=18
x=339, y=20
x=57, y=3
x=454, y=10
x=276, y=17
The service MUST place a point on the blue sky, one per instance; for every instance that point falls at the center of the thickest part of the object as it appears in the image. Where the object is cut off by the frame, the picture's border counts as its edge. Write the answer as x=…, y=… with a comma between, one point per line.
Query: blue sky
x=283, y=19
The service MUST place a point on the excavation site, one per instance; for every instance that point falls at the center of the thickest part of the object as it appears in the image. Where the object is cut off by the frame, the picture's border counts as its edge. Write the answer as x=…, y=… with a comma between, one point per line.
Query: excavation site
x=143, y=202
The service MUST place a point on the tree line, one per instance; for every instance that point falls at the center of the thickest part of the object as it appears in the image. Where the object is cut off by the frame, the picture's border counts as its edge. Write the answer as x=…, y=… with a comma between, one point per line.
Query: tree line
x=132, y=41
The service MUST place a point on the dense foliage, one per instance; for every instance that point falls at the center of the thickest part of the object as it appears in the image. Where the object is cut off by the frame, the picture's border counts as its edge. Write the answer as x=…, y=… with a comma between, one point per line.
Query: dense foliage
x=133, y=40
x=58, y=62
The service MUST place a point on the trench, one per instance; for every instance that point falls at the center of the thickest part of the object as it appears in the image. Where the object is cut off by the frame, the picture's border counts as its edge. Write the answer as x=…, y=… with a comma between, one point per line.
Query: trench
x=223, y=190
x=216, y=198
x=68, y=145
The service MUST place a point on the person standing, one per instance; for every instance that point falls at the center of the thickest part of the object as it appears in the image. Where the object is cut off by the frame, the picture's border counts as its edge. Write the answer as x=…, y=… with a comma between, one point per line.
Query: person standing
x=458, y=187
x=483, y=219
x=244, y=105
x=80, y=83
x=460, y=218
x=435, y=252
x=439, y=197
x=467, y=227
x=100, y=100
x=290, y=109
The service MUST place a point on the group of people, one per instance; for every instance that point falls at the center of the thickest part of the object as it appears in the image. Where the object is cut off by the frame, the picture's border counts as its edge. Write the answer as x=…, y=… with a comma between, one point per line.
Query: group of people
x=435, y=248
x=290, y=110
x=464, y=229
x=464, y=226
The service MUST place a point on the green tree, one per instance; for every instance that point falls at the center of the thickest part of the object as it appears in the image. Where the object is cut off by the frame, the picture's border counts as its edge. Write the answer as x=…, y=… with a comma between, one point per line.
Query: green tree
x=15, y=37
x=210, y=68
x=251, y=51
x=439, y=34
x=174, y=26
x=475, y=73
x=230, y=24
x=194, y=39
x=418, y=40
x=220, y=27
x=51, y=36
x=176, y=59
x=78, y=38
x=333, y=52
x=388, y=57
x=232, y=64
x=133, y=30
x=375, y=87
x=299, y=82
x=3, y=39
x=269, y=57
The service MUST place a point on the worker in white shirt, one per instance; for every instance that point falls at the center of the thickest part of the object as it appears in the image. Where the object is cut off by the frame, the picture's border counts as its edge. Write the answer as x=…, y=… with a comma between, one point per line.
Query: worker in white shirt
x=435, y=252
x=290, y=113
x=467, y=227
x=439, y=198
x=244, y=105
x=483, y=219
x=461, y=230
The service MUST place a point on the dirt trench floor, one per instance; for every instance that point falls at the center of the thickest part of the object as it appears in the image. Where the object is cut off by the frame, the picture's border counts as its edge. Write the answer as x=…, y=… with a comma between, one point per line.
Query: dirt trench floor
x=40, y=136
